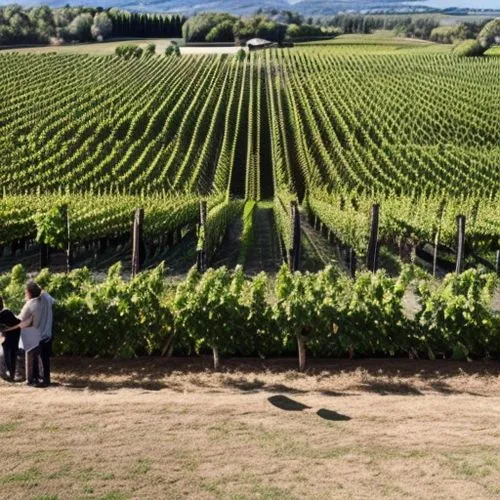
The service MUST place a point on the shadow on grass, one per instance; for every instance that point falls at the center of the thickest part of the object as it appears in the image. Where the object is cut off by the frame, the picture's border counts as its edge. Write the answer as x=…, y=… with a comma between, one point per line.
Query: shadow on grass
x=287, y=404
x=444, y=388
x=335, y=394
x=257, y=385
x=108, y=385
x=332, y=415
x=385, y=388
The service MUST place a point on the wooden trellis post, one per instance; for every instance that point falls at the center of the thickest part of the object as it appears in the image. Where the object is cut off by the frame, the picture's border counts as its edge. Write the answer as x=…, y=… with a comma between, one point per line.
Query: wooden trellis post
x=201, y=249
x=44, y=256
x=352, y=262
x=65, y=214
x=372, y=254
x=317, y=223
x=294, y=252
x=137, y=242
x=460, y=243
x=177, y=235
x=169, y=239
x=435, y=252
x=442, y=207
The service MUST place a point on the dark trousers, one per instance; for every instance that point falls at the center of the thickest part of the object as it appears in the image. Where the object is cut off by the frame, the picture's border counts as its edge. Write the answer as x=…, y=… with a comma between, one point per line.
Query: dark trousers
x=31, y=364
x=10, y=347
x=44, y=361
x=38, y=363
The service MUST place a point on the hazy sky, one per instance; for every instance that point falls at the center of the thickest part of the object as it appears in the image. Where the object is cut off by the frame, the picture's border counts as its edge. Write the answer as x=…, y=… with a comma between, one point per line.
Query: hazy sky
x=478, y=4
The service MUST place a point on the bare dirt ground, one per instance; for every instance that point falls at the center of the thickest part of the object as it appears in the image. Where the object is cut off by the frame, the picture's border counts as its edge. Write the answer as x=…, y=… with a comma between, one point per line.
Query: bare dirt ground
x=171, y=428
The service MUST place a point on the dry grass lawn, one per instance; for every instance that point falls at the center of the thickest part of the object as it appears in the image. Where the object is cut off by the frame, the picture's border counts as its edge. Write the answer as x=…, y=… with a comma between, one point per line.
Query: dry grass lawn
x=170, y=428
x=108, y=47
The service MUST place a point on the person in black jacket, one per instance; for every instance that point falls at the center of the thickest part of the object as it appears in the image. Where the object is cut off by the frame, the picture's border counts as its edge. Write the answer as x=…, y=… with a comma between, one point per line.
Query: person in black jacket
x=10, y=340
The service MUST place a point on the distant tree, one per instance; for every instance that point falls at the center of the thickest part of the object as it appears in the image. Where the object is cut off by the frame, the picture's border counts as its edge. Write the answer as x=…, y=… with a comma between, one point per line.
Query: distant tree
x=241, y=55
x=145, y=25
x=63, y=17
x=196, y=28
x=450, y=34
x=43, y=22
x=20, y=25
x=304, y=30
x=293, y=30
x=6, y=35
x=490, y=34
x=166, y=29
x=469, y=48
x=289, y=17
x=259, y=26
x=222, y=32
x=80, y=27
x=102, y=27
x=421, y=27
x=128, y=50
x=150, y=50
x=271, y=30
x=10, y=10
x=173, y=49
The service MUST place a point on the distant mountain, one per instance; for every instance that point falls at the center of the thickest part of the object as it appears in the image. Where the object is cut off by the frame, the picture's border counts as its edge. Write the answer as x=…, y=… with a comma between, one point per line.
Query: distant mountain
x=306, y=7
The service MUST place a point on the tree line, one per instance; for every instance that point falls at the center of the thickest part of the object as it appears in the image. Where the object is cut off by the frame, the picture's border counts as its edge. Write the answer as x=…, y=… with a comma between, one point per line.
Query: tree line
x=223, y=27
x=82, y=24
x=488, y=36
x=126, y=24
x=425, y=27
x=276, y=26
x=42, y=25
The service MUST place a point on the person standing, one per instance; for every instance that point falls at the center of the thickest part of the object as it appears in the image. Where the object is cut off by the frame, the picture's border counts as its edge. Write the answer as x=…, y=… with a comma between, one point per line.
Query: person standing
x=45, y=327
x=10, y=342
x=36, y=334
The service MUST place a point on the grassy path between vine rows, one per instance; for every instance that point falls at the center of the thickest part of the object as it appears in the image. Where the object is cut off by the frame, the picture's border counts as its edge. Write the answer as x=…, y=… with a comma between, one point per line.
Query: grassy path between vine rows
x=227, y=254
x=170, y=428
x=264, y=254
x=316, y=251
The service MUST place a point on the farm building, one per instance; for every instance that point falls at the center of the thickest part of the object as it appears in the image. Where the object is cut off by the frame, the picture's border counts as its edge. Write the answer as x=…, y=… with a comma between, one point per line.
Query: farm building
x=259, y=43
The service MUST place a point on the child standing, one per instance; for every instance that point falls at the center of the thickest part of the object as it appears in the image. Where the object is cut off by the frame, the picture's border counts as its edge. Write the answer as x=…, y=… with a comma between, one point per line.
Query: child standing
x=10, y=340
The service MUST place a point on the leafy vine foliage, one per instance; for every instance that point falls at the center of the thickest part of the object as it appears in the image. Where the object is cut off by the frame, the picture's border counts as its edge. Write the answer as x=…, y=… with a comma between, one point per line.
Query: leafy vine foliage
x=51, y=228
x=226, y=312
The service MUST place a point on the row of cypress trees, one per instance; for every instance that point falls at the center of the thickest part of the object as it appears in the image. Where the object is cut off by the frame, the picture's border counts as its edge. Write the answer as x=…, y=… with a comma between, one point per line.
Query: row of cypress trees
x=146, y=25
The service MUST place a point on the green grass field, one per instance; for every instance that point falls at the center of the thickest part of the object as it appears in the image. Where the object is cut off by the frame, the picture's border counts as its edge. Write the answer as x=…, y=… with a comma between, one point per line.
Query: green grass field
x=379, y=42
x=494, y=51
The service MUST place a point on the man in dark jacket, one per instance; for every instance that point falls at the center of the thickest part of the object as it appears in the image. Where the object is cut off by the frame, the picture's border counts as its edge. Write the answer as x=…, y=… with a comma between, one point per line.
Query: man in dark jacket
x=10, y=340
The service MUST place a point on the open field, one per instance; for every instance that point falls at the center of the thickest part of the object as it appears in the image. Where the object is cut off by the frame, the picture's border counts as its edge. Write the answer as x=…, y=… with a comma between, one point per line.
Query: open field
x=494, y=51
x=170, y=428
x=379, y=42
x=108, y=47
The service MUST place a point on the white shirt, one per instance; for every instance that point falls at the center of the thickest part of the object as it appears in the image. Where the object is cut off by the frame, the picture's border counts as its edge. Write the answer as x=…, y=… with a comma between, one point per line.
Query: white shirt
x=39, y=311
